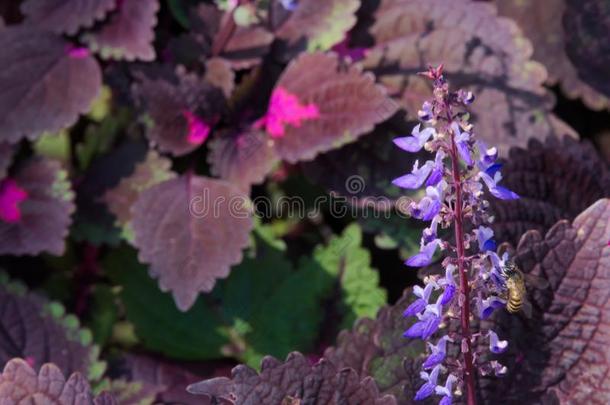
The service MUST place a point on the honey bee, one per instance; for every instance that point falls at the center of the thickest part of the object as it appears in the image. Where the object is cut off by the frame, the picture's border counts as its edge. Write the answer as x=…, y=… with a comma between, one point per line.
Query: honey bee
x=516, y=296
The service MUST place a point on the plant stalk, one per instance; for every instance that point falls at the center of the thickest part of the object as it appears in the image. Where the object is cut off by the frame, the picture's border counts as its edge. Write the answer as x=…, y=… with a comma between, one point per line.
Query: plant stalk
x=464, y=288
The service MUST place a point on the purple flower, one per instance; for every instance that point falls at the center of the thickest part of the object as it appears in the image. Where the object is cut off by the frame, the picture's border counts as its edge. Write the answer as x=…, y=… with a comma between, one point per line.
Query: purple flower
x=424, y=257
x=461, y=139
x=426, y=114
x=416, y=178
x=437, y=354
x=429, y=386
x=416, y=141
x=495, y=344
x=437, y=170
x=447, y=390
x=484, y=237
x=450, y=285
x=428, y=322
x=419, y=304
x=289, y=5
x=489, y=305
x=495, y=190
x=431, y=204
x=429, y=234
x=487, y=157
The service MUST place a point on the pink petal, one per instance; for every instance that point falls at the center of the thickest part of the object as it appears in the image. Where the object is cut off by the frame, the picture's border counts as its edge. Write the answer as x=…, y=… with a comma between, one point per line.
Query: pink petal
x=285, y=109
x=77, y=52
x=198, y=130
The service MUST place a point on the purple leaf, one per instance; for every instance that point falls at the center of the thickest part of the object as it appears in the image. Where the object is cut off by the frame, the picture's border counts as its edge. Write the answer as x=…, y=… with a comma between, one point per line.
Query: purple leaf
x=65, y=16
x=6, y=158
x=129, y=32
x=348, y=104
x=555, y=41
x=44, y=215
x=41, y=332
x=242, y=158
x=317, y=25
x=247, y=47
x=562, y=351
x=44, y=88
x=218, y=73
x=481, y=52
x=120, y=199
x=203, y=225
x=180, y=113
x=293, y=381
x=556, y=180
x=20, y=384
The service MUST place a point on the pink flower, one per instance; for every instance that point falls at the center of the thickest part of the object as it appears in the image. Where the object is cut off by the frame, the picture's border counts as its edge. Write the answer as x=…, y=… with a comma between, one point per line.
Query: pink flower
x=284, y=109
x=11, y=195
x=198, y=130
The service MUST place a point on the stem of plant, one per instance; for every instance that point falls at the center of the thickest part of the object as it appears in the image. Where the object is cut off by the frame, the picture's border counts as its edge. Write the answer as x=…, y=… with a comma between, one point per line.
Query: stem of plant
x=226, y=31
x=464, y=288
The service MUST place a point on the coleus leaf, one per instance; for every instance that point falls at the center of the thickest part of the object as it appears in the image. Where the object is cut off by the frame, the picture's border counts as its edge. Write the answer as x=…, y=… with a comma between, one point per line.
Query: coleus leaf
x=41, y=332
x=167, y=380
x=47, y=83
x=480, y=52
x=318, y=26
x=293, y=381
x=376, y=348
x=93, y=222
x=560, y=355
x=218, y=72
x=556, y=180
x=348, y=102
x=542, y=24
x=586, y=25
x=181, y=115
x=43, y=211
x=19, y=384
x=67, y=17
x=317, y=105
x=203, y=225
x=153, y=170
x=129, y=32
x=244, y=49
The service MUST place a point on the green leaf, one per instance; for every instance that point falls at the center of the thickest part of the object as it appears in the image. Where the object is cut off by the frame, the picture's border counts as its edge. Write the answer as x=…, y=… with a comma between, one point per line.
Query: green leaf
x=194, y=334
x=345, y=258
x=54, y=145
x=104, y=314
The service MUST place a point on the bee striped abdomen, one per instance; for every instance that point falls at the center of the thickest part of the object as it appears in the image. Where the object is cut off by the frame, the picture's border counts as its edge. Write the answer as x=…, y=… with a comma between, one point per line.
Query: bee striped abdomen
x=515, y=301
x=515, y=285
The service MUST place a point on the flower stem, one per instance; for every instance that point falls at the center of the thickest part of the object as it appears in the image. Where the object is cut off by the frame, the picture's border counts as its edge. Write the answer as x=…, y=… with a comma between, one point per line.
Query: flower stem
x=464, y=288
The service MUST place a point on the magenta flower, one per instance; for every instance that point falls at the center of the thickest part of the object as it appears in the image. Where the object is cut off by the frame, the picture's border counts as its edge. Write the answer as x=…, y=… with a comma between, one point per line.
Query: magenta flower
x=285, y=109
x=77, y=52
x=11, y=197
x=198, y=130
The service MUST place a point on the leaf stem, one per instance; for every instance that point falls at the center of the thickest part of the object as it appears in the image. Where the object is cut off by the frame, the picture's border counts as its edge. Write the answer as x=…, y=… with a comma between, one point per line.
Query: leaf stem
x=226, y=31
x=464, y=288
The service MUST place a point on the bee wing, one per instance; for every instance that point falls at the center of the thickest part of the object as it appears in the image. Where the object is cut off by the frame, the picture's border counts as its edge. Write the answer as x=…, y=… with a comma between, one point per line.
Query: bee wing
x=536, y=282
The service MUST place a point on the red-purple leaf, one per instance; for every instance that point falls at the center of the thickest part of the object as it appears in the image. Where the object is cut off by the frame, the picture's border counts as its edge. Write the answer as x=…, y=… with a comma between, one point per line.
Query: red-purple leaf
x=247, y=46
x=294, y=381
x=319, y=25
x=377, y=348
x=542, y=24
x=155, y=169
x=555, y=180
x=218, y=72
x=479, y=51
x=39, y=331
x=336, y=104
x=43, y=87
x=181, y=115
x=191, y=230
x=45, y=213
x=562, y=351
x=242, y=158
x=19, y=384
x=129, y=33
x=65, y=16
